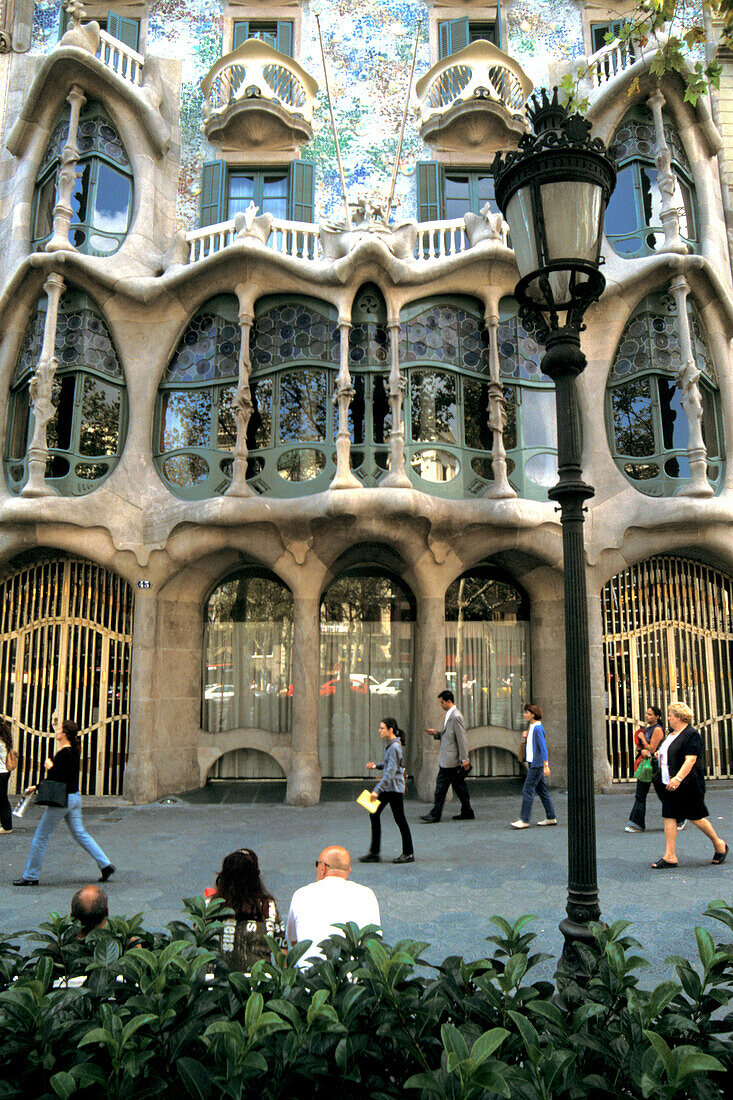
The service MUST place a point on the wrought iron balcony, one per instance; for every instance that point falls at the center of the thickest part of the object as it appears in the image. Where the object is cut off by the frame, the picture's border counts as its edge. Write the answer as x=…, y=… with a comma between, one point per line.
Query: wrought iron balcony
x=473, y=99
x=256, y=96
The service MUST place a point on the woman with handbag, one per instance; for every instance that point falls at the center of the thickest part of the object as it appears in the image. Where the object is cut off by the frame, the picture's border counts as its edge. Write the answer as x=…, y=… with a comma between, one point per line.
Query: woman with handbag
x=8, y=761
x=646, y=741
x=683, y=779
x=64, y=802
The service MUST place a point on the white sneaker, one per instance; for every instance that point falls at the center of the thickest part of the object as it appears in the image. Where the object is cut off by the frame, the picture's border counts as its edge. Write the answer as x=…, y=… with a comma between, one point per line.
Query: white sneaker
x=548, y=821
x=519, y=824
x=680, y=826
x=632, y=829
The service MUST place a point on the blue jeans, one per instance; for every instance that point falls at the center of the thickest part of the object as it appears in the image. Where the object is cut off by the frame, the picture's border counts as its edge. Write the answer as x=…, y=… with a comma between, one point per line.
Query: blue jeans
x=52, y=817
x=535, y=782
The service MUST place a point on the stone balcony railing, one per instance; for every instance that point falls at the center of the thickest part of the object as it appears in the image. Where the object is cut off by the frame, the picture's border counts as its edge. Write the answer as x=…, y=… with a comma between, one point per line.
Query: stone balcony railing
x=253, y=82
x=419, y=242
x=120, y=58
x=475, y=97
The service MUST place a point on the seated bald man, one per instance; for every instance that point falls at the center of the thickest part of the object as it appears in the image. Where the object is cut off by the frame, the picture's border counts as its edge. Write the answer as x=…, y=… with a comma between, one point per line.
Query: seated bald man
x=317, y=908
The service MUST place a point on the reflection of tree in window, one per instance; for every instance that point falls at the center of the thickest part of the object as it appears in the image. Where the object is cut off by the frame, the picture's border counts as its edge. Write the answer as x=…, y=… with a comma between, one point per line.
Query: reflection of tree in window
x=632, y=418
x=87, y=395
x=303, y=406
x=433, y=407
x=366, y=598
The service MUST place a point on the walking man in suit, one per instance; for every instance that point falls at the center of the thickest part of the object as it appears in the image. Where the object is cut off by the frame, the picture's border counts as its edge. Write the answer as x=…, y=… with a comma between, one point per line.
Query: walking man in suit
x=453, y=762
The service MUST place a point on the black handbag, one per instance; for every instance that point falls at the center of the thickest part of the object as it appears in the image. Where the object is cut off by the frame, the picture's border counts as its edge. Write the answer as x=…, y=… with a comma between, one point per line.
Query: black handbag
x=52, y=793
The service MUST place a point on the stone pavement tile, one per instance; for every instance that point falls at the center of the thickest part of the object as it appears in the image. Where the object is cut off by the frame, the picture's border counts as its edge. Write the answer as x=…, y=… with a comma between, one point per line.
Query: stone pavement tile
x=464, y=871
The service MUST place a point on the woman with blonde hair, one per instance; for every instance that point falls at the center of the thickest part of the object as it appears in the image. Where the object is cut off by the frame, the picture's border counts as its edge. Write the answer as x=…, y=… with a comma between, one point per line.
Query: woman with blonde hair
x=683, y=785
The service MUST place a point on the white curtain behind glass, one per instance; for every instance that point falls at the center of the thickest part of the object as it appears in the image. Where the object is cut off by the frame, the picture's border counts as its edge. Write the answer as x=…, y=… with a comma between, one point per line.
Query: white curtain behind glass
x=487, y=666
x=247, y=676
x=366, y=675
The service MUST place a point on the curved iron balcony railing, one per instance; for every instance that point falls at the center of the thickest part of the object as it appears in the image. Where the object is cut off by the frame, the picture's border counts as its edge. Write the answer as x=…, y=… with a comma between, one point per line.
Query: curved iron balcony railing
x=477, y=77
x=256, y=77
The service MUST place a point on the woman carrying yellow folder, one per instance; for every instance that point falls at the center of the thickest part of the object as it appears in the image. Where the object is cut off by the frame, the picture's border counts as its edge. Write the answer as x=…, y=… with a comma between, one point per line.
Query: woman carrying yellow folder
x=390, y=791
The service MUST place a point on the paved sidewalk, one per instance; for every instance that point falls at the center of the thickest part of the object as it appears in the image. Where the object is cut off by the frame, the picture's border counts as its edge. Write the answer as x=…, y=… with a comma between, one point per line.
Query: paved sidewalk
x=465, y=871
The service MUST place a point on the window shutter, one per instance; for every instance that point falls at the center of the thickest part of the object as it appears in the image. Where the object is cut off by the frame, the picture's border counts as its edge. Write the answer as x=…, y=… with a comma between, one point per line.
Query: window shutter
x=429, y=191
x=241, y=33
x=213, y=174
x=453, y=36
x=285, y=37
x=302, y=191
x=126, y=30
x=64, y=22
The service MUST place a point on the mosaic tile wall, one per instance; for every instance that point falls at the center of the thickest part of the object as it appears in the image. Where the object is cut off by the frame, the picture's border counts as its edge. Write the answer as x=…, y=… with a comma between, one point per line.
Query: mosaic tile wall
x=368, y=45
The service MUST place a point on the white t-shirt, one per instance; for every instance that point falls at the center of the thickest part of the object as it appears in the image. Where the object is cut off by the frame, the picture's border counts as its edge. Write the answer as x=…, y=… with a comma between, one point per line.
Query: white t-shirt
x=662, y=755
x=319, y=906
x=530, y=743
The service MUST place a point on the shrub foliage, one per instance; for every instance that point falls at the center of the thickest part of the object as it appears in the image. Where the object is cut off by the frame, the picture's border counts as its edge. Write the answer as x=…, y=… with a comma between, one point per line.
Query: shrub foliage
x=160, y=1015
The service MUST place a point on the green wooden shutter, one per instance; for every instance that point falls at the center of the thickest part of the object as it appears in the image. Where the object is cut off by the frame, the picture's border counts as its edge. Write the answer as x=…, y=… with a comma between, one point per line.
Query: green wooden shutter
x=241, y=32
x=213, y=174
x=301, y=191
x=126, y=30
x=429, y=191
x=453, y=36
x=285, y=37
x=64, y=22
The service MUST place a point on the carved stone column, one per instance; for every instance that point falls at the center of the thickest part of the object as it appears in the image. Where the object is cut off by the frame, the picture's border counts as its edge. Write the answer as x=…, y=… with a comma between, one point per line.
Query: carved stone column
x=666, y=181
x=397, y=477
x=242, y=408
x=41, y=389
x=429, y=680
x=500, y=488
x=62, y=211
x=344, y=478
x=688, y=376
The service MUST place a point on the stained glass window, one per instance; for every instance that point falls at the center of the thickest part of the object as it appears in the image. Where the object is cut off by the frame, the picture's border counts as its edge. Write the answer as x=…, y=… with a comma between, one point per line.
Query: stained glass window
x=648, y=426
x=87, y=394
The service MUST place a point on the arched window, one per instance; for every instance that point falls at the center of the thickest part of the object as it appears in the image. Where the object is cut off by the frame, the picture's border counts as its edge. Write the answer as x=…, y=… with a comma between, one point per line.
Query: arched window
x=86, y=434
x=195, y=426
x=101, y=200
x=647, y=425
x=367, y=635
x=633, y=223
x=248, y=642
x=294, y=351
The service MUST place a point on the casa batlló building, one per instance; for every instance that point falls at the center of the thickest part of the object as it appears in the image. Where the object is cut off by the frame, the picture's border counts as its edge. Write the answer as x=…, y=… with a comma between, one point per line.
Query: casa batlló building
x=271, y=473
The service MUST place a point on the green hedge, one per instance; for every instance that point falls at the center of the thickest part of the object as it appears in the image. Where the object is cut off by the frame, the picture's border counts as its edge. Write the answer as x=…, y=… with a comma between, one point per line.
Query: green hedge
x=371, y=1021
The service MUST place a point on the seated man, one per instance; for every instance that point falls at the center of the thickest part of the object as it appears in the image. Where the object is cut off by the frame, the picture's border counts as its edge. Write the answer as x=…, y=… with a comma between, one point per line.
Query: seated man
x=330, y=900
x=89, y=907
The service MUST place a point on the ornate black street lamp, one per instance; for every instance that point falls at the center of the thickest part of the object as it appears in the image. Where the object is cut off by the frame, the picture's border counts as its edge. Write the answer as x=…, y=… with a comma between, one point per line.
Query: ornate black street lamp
x=553, y=191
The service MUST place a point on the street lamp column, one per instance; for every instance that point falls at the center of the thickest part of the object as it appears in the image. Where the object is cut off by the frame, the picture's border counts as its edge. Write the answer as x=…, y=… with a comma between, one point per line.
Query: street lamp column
x=553, y=191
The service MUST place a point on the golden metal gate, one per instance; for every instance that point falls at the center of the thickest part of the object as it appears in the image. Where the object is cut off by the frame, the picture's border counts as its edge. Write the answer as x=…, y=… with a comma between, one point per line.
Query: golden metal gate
x=65, y=648
x=668, y=634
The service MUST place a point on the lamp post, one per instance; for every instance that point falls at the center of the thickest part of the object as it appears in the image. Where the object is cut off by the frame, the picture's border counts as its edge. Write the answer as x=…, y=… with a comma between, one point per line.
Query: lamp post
x=553, y=191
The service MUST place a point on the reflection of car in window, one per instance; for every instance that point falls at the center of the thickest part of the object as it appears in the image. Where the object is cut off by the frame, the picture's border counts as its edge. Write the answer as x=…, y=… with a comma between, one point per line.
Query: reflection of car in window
x=219, y=691
x=392, y=686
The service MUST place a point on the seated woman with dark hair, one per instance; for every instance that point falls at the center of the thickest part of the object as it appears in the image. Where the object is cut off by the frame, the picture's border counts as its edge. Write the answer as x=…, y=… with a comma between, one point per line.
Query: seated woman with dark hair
x=256, y=915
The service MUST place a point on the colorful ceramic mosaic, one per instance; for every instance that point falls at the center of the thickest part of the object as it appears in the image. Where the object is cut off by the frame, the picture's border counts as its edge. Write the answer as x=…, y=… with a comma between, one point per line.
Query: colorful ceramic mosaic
x=368, y=46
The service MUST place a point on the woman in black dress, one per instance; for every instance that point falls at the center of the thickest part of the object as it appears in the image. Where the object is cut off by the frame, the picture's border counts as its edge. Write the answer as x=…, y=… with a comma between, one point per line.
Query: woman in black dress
x=683, y=785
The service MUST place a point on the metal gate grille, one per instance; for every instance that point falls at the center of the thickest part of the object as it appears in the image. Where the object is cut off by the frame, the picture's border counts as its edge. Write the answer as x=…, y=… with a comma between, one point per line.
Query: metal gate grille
x=65, y=646
x=668, y=634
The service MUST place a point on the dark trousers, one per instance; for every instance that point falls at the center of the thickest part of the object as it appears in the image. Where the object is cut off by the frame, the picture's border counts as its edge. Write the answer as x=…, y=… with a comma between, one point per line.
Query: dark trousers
x=6, y=818
x=535, y=784
x=638, y=810
x=455, y=778
x=395, y=802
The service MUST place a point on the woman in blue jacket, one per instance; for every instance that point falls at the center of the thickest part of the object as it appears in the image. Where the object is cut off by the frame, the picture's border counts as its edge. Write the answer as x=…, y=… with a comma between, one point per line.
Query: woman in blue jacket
x=390, y=791
x=538, y=765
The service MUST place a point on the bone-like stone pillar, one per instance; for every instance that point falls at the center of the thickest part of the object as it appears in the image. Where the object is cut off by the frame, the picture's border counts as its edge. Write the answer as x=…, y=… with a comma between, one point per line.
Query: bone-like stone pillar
x=62, y=211
x=242, y=408
x=500, y=487
x=666, y=181
x=397, y=477
x=41, y=389
x=688, y=376
x=344, y=478
x=304, y=776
